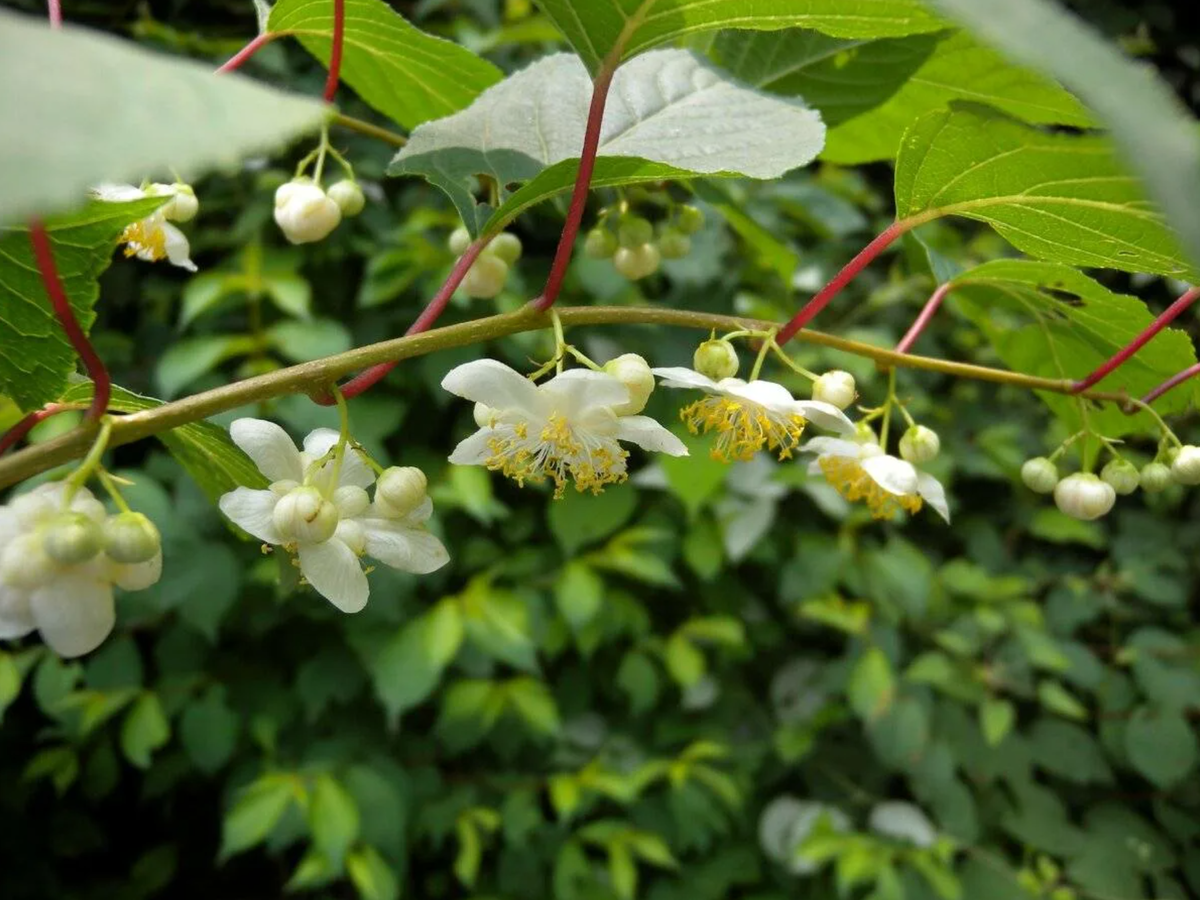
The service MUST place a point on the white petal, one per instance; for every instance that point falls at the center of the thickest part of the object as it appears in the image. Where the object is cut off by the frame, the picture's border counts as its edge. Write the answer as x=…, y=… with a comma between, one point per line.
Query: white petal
x=355, y=471
x=934, y=494
x=417, y=516
x=493, y=384
x=117, y=193
x=578, y=391
x=16, y=618
x=473, y=450
x=774, y=397
x=334, y=571
x=407, y=549
x=9, y=526
x=827, y=446
x=682, y=377
x=178, y=250
x=270, y=448
x=138, y=576
x=251, y=511
x=74, y=614
x=825, y=415
x=893, y=475
x=649, y=435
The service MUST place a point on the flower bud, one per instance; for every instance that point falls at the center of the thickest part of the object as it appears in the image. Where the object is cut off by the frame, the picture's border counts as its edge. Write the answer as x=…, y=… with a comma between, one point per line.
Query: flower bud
x=183, y=205
x=674, y=244
x=865, y=434
x=600, y=243
x=506, y=246
x=633, y=372
x=836, y=387
x=71, y=538
x=350, y=500
x=304, y=213
x=400, y=490
x=920, y=444
x=1185, y=467
x=1040, y=475
x=459, y=241
x=24, y=564
x=634, y=231
x=486, y=277
x=130, y=537
x=1122, y=475
x=1156, y=477
x=485, y=416
x=348, y=196
x=716, y=359
x=690, y=219
x=1084, y=496
x=305, y=516
x=637, y=262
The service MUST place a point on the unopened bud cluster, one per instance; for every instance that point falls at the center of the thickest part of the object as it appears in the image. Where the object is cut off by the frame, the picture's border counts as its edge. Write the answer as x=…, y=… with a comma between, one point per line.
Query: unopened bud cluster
x=637, y=247
x=489, y=273
x=306, y=213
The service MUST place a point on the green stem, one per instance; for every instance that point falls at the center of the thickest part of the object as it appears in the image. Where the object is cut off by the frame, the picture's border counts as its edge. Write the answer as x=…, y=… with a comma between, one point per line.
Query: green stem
x=80, y=476
x=791, y=363
x=339, y=449
x=1147, y=408
x=321, y=151
x=111, y=487
x=767, y=343
x=560, y=342
x=887, y=410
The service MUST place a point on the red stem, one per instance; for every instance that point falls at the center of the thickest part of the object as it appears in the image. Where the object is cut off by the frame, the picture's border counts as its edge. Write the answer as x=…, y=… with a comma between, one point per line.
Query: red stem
x=335, y=52
x=22, y=428
x=372, y=376
x=235, y=61
x=821, y=299
x=44, y=254
x=54, y=9
x=587, y=164
x=1118, y=359
x=923, y=319
x=1174, y=381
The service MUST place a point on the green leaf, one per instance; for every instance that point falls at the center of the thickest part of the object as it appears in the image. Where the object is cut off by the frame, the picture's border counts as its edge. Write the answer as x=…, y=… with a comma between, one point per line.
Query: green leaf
x=869, y=92
x=144, y=730
x=205, y=450
x=332, y=819
x=597, y=28
x=536, y=118
x=407, y=75
x=1161, y=745
x=1155, y=132
x=411, y=664
x=578, y=594
x=996, y=717
x=577, y=520
x=684, y=662
x=872, y=685
x=301, y=341
x=255, y=813
x=10, y=682
x=35, y=356
x=185, y=361
x=534, y=704
x=143, y=114
x=208, y=731
x=372, y=877
x=638, y=678
x=1057, y=699
x=497, y=622
x=1075, y=324
x=1057, y=196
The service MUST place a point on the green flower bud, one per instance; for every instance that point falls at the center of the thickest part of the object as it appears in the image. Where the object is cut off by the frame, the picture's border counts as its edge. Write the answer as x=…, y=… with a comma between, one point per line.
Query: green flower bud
x=348, y=196
x=304, y=515
x=459, y=241
x=600, y=243
x=506, y=246
x=637, y=262
x=864, y=433
x=71, y=538
x=633, y=372
x=130, y=537
x=1040, y=475
x=1156, y=477
x=1122, y=475
x=673, y=244
x=486, y=277
x=920, y=444
x=716, y=359
x=689, y=219
x=836, y=387
x=635, y=231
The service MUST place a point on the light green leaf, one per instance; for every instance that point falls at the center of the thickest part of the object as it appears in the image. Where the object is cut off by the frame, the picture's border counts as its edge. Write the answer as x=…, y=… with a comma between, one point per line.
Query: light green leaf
x=534, y=704
x=255, y=813
x=185, y=361
x=291, y=293
x=216, y=463
x=301, y=341
x=578, y=593
x=1158, y=137
x=685, y=663
x=1057, y=699
x=1074, y=324
x=10, y=682
x=596, y=28
x=411, y=663
x=204, y=291
x=536, y=119
x=1161, y=745
x=996, y=718
x=208, y=730
x=577, y=519
x=497, y=622
x=870, y=91
x=332, y=819
x=144, y=730
x=35, y=356
x=1061, y=197
x=872, y=685
x=372, y=877
x=622, y=871
x=407, y=75
x=144, y=114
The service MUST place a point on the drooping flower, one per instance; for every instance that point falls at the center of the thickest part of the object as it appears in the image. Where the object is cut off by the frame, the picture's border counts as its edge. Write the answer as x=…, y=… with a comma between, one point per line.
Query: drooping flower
x=54, y=577
x=304, y=212
x=565, y=429
x=860, y=470
x=321, y=512
x=750, y=416
x=154, y=237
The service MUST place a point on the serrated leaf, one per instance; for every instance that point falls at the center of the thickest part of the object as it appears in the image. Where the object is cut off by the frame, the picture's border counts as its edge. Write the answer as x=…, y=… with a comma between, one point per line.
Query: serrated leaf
x=596, y=27
x=870, y=91
x=1061, y=197
x=206, y=451
x=35, y=355
x=404, y=73
x=144, y=114
x=1076, y=324
x=536, y=119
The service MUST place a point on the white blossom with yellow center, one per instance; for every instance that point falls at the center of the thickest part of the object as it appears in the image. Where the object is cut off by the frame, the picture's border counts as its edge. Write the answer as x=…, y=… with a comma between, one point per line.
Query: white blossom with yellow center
x=749, y=416
x=565, y=429
x=861, y=471
x=153, y=238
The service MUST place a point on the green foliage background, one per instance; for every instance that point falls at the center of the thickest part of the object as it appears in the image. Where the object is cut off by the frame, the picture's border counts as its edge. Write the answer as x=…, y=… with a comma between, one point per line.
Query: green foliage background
x=613, y=696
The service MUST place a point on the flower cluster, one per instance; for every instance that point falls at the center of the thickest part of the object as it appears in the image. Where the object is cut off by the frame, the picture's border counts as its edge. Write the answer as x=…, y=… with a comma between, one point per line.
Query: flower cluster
x=489, y=273
x=317, y=508
x=637, y=248
x=61, y=555
x=305, y=212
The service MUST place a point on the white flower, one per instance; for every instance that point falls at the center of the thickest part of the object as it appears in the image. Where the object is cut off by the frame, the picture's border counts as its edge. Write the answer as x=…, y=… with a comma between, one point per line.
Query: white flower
x=836, y=387
x=327, y=522
x=565, y=429
x=1185, y=467
x=304, y=212
x=749, y=416
x=1083, y=495
x=862, y=471
x=153, y=238
x=70, y=605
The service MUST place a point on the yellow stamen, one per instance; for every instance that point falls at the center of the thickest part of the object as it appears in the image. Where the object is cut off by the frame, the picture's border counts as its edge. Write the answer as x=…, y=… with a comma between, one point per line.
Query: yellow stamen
x=743, y=428
x=149, y=241
x=557, y=453
x=853, y=483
